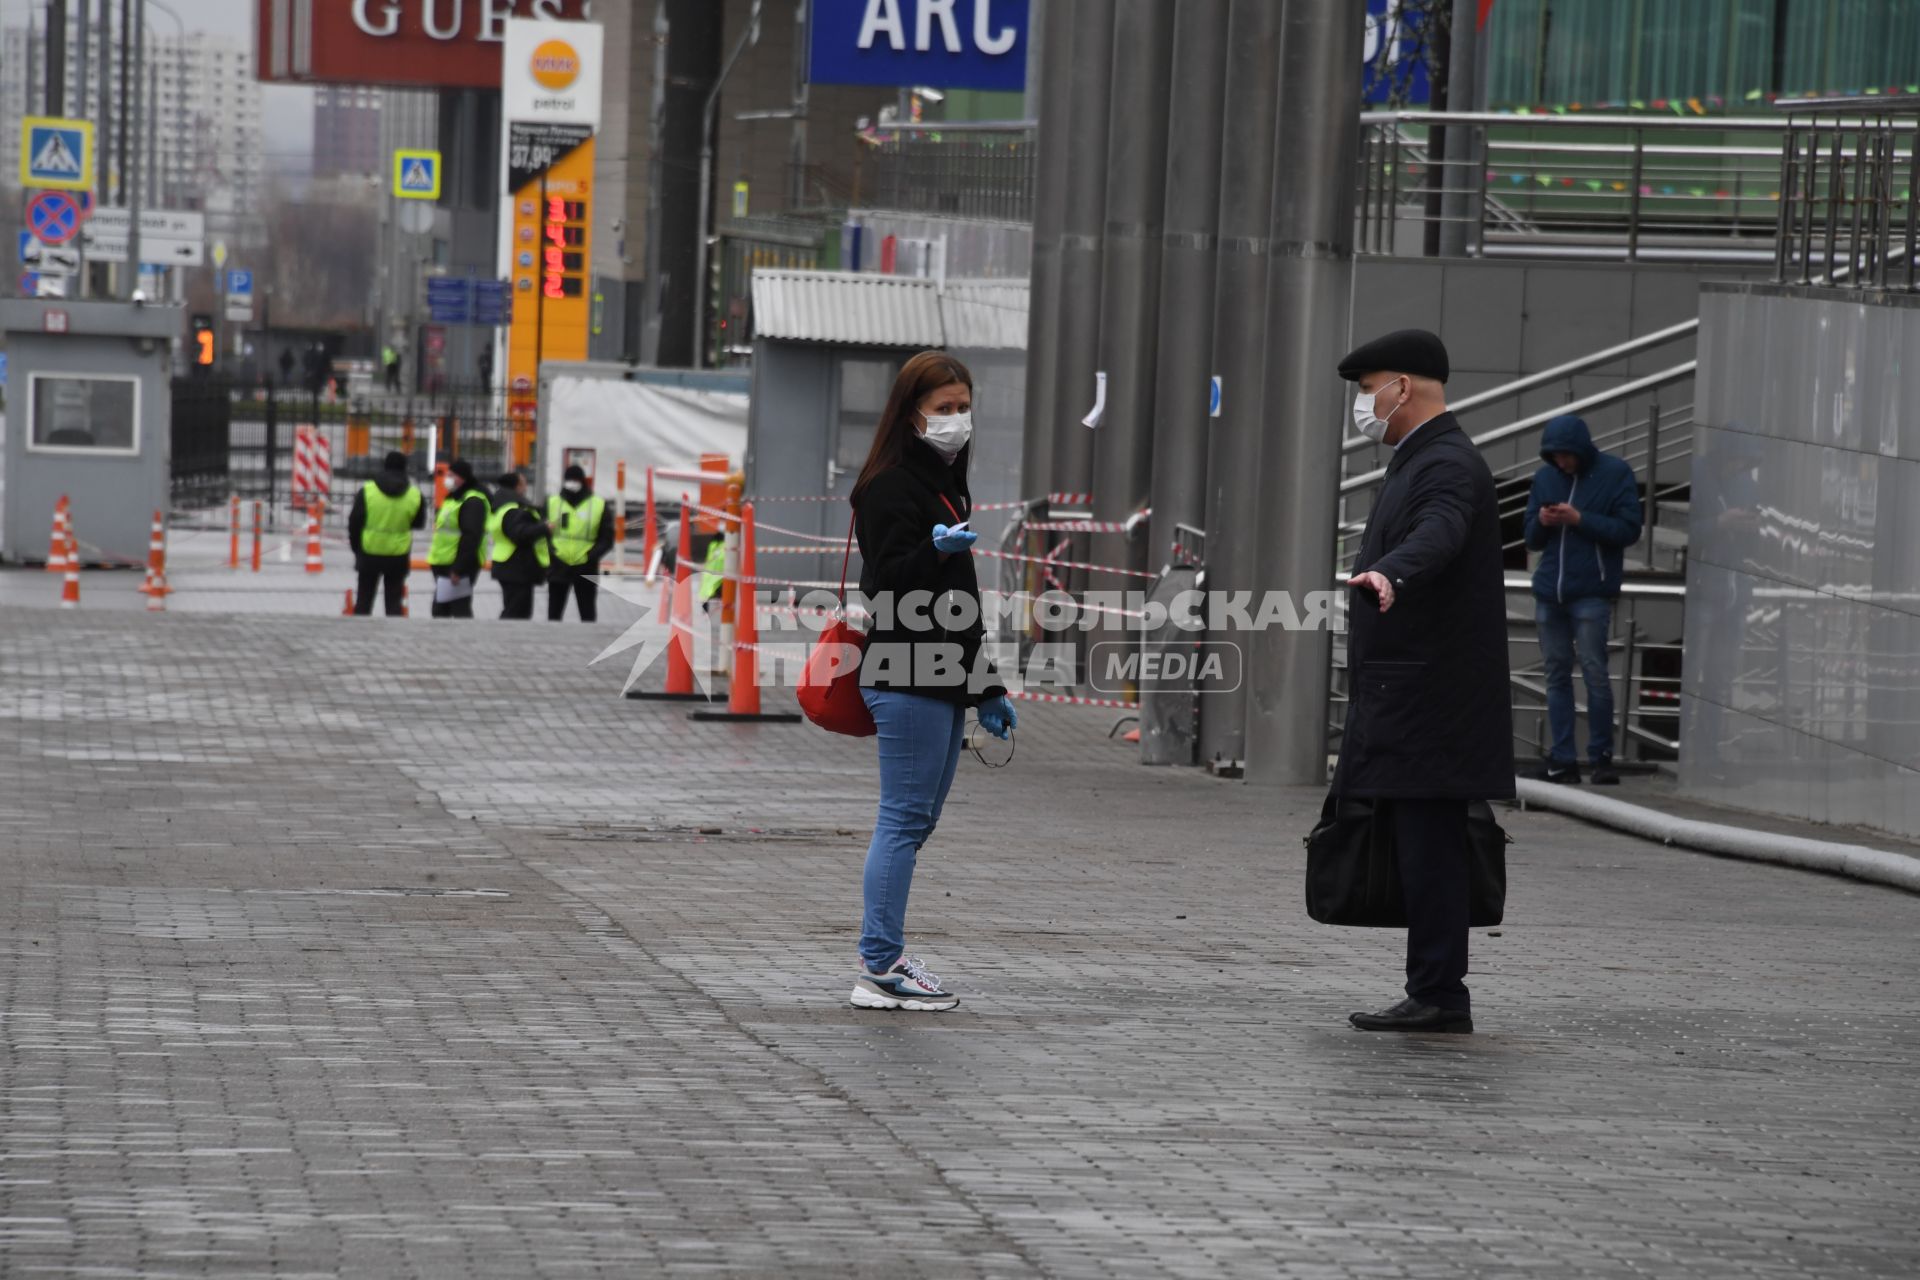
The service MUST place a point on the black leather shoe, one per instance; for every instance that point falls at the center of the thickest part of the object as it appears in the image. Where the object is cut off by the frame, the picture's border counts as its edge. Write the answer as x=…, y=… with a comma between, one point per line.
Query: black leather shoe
x=1411, y=1015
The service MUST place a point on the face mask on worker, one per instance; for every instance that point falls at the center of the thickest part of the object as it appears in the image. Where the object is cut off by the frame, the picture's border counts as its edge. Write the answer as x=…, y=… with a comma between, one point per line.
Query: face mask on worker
x=1365, y=417
x=454, y=483
x=571, y=486
x=949, y=433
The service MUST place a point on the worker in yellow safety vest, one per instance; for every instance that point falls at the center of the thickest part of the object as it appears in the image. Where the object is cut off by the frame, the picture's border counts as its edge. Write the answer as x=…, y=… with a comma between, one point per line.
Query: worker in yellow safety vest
x=582, y=534
x=521, y=552
x=380, y=528
x=459, y=530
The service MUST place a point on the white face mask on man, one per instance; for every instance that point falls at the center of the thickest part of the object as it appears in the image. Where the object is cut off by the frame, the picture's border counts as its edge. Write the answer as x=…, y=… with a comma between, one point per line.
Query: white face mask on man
x=949, y=433
x=1365, y=418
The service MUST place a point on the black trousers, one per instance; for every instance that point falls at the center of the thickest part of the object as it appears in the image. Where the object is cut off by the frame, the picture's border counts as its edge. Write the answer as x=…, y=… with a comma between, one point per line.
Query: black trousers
x=1431, y=841
x=573, y=581
x=516, y=600
x=375, y=570
x=461, y=608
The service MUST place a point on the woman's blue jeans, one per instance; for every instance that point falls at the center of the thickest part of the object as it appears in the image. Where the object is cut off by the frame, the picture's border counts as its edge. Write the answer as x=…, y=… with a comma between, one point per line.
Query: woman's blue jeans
x=920, y=740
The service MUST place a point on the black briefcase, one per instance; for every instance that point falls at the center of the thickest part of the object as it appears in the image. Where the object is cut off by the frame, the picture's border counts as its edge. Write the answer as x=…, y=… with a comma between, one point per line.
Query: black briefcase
x=1353, y=874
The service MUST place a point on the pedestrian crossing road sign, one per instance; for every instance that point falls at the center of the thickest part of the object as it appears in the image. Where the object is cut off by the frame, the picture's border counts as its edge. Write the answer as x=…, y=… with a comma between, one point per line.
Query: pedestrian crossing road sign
x=416, y=175
x=56, y=154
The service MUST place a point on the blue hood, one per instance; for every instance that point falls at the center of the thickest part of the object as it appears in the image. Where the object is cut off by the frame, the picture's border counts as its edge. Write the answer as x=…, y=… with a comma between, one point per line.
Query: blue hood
x=1568, y=434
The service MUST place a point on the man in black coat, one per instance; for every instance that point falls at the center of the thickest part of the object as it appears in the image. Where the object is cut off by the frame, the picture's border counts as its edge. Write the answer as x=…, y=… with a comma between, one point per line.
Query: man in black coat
x=1429, y=717
x=521, y=550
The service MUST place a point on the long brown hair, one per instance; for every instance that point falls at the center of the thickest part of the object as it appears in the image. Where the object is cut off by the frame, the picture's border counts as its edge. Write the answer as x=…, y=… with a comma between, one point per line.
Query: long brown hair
x=919, y=377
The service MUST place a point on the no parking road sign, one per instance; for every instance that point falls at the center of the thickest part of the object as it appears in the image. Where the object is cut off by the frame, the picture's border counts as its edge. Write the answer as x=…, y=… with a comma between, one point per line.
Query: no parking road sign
x=56, y=154
x=53, y=217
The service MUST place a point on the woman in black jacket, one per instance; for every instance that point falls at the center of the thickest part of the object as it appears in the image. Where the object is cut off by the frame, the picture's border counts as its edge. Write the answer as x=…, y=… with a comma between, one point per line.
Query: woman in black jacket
x=924, y=664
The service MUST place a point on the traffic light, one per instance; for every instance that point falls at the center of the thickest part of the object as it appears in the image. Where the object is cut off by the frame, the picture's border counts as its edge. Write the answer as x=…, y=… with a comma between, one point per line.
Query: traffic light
x=203, y=341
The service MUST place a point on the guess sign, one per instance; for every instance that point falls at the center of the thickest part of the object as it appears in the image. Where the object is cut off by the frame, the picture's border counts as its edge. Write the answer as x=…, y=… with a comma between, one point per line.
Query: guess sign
x=400, y=43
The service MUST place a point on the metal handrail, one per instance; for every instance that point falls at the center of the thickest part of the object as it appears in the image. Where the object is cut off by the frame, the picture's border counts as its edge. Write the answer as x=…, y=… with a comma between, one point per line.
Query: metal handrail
x=1659, y=124
x=1599, y=400
x=1546, y=377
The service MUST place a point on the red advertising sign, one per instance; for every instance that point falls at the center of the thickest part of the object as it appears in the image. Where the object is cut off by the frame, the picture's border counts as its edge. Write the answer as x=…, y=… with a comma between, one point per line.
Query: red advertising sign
x=399, y=43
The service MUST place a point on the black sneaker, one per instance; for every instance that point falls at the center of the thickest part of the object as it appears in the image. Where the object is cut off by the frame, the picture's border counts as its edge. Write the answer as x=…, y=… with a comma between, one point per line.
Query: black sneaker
x=1603, y=773
x=1548, y=771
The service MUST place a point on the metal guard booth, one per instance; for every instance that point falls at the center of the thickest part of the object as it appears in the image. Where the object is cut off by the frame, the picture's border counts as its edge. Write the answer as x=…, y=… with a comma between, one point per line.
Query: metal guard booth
x=88, y=415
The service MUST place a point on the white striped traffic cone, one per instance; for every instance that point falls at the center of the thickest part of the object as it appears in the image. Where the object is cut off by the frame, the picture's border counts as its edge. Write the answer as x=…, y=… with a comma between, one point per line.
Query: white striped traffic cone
x=62, y=525
x=313, y=538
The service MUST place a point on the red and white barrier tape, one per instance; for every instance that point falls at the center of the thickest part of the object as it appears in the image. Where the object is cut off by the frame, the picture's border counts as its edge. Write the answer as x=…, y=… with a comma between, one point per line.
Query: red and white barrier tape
x=1082, y=526
x=1067, y=699
x=1050, y=562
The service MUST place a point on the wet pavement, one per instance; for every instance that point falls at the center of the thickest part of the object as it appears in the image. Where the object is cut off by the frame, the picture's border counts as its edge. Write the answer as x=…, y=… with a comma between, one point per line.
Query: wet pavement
x=368, y=947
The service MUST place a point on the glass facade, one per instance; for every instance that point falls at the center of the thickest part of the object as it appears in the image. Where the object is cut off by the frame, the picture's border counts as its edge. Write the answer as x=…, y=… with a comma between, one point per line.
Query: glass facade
x=1727, y=54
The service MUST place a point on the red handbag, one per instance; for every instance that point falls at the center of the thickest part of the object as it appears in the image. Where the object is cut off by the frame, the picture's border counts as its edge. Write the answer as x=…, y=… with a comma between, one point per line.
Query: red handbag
x=830, y=685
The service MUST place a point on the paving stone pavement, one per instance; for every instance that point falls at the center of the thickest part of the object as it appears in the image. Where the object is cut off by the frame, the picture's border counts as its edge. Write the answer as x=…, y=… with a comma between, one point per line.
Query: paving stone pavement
x=354, y=948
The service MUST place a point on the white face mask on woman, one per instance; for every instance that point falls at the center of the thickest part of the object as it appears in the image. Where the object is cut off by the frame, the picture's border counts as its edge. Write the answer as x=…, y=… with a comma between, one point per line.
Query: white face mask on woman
x=949, y=433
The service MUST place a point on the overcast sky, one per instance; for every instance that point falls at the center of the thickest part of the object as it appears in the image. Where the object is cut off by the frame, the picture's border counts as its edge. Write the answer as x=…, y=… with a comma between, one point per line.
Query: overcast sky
x=289, y=109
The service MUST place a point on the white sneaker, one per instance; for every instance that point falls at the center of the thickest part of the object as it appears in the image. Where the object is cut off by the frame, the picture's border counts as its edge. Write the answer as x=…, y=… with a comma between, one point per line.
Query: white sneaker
x=907, y=985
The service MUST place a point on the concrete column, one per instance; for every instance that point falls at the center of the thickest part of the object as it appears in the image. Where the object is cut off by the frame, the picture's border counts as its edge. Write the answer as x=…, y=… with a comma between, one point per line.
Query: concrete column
x=1185, y=339
x=1130, y=272
x=1462, y=170
x=693, y=63
x=1309, y=287
x=1252, y=80
x=1187, y=267
x=1047, y=80
x=1076, y=315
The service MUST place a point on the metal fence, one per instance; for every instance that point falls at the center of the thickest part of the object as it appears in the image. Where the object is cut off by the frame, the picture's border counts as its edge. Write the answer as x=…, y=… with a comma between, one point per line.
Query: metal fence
x=1614, y=187
x=968, y=175
x=1848, y=170
x=237, y=439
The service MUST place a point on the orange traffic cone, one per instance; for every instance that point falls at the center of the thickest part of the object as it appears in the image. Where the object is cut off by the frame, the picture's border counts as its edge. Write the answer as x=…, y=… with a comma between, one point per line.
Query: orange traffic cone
x=155, y=588
x=62, y=524
x=405, y=592
x=346, y=610
x=743, y=694
x=313, y=538
x=680, y=611
x=233, y=544
x=70, y=593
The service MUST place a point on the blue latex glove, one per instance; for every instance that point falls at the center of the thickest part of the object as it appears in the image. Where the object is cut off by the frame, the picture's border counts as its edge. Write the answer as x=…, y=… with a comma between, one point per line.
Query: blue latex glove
x=951, y=540
x=996, y=716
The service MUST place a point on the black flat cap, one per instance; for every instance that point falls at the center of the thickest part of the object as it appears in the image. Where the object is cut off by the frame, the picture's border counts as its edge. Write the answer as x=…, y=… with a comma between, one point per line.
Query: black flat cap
x=396, y=461
x=1413, y=351
x=462, y=468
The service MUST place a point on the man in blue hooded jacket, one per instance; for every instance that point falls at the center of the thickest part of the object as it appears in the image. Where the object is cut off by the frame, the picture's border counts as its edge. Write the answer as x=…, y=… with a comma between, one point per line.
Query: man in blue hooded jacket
x=1583, y=513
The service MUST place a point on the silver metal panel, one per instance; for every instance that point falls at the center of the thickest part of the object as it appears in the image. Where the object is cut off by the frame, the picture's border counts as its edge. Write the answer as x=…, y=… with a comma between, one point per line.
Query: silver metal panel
x=1802, y=664
x=852, y=308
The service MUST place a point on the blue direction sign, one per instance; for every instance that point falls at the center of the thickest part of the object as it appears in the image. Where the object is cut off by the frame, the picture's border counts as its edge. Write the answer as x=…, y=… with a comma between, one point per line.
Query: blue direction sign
x=53, y=217
x=3, y=368
x=492, y=302
x=465, y=300
x=450, y=299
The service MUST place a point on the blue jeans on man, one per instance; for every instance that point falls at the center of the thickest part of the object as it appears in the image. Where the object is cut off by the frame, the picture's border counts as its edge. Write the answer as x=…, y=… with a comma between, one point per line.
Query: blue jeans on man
x=1576, y=629
x=920, y=741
